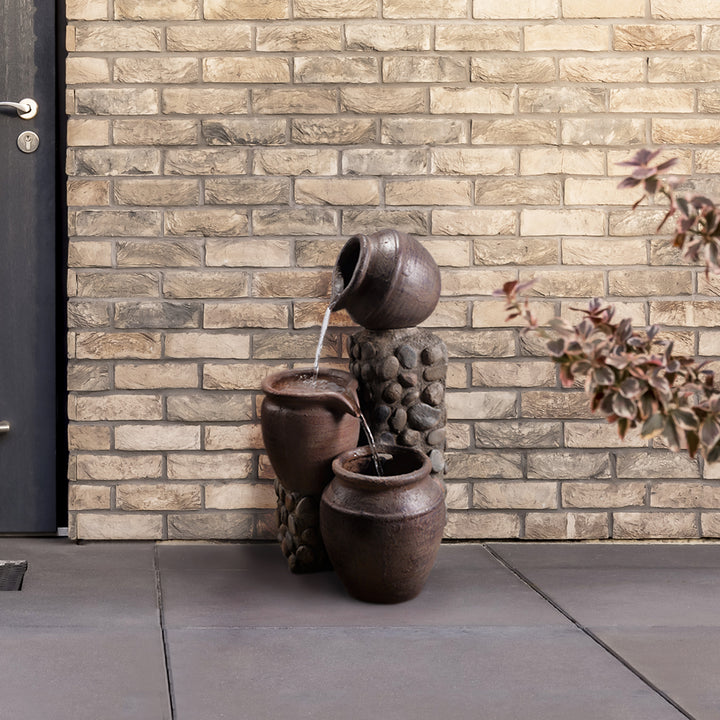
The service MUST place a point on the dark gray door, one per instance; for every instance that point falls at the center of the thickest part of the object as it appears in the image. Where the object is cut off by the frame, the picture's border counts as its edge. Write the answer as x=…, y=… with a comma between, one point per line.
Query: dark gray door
x=28, y=240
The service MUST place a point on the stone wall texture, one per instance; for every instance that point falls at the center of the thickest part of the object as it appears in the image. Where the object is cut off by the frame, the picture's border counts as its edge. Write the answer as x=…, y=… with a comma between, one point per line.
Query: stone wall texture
x=220, y=152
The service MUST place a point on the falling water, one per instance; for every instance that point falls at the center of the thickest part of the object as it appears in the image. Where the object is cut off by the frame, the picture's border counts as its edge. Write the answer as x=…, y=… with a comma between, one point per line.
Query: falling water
x=373, y=446
x=323, y=330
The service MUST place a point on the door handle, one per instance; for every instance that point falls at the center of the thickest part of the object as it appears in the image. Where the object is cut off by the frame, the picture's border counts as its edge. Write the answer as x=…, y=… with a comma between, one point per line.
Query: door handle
x=4, y=426
x=27, y=108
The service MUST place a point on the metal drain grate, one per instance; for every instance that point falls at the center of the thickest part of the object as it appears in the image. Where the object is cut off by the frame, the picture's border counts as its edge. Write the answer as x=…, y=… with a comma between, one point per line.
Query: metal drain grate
x=12, y=573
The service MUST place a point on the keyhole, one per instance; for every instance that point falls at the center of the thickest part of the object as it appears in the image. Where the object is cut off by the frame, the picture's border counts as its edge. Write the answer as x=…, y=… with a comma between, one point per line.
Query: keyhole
x=28, y=142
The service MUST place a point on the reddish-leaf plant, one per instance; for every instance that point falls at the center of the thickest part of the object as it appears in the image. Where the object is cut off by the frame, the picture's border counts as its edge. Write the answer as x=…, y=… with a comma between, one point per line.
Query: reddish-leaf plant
x=633, y=378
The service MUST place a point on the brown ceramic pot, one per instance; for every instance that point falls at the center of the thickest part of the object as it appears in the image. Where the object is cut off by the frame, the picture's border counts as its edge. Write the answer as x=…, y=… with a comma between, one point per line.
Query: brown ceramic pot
x=385, y=280
x=306, y=424
x=383, y=533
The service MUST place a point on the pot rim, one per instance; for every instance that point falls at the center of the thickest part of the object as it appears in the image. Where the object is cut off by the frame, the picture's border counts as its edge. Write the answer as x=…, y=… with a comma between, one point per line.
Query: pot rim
x=269, y=382
x=359, y=271
x=386, y=481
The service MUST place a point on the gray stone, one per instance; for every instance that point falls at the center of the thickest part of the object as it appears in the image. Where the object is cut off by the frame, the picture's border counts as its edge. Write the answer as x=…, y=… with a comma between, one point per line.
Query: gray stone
x=423, y=417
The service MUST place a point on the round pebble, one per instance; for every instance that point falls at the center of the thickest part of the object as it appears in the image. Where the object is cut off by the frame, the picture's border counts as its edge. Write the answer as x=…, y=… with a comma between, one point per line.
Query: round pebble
x=437, y=437
x=438, y=461
x=399, y=419
x=407, y=355
x=423, y=416
x=408, y=379
x=410, y=437
x=410, y=397
x=381, y=414
x=389, y=368
x=367, y=351
x=432, y=355
x=392, y=392
x=434, y=393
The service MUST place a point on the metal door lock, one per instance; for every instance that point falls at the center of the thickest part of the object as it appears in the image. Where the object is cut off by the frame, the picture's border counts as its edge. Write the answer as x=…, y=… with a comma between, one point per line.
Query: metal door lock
x=4, y=426
x=28, y=141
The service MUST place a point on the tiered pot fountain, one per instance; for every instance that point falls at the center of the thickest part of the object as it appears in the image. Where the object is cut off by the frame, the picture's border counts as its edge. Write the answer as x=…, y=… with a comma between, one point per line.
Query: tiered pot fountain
x=382, y=510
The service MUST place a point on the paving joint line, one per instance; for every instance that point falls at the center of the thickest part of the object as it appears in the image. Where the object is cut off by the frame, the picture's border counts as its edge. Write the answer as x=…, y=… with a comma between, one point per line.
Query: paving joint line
x=588, y=632
x=163, y=632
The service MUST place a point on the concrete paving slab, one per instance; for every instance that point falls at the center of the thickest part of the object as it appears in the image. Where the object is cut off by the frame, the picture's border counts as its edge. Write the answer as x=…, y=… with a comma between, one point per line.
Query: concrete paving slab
x=400, y=673
x=82, y=674
x=92, y=585
x=250, y=585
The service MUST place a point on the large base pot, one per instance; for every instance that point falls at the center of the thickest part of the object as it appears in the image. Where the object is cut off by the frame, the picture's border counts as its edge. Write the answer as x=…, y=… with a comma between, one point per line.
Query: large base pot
x=382, y=534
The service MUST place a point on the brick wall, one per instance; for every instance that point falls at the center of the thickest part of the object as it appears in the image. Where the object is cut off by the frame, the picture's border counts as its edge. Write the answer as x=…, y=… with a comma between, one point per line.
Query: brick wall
x=220, y=153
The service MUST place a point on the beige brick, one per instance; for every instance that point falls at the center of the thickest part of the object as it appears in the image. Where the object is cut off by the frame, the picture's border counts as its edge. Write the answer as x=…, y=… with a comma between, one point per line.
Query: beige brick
x=498, y=343
x=209, y=407
x=495, y=373
x=415, y=222
x=561, y=222
x=603, y=8
x=654, y=37
x=215, y=37
x=566, y=526
x=245, y=315
x=116, y=223
x=155, y=132
x=206, y=161
x=295, y=161
x=118, y=467
x=235, y=376
x=117, y=284
x=565, y=99
x=458, y=435
x=83, y=132
x=603, y=494
x=422, y=131
x=515, y=434
x=386, y=37
x=206, y=222
x=88, y=192
x=475, y=100
x=201, y=284
x=88, y=497
x=281, y=346
x=298, y=100
x=151, y=69
x=480, y=405
x=514, y=131
x=88, y=314
x=649, y=282
x=310, y=314
x=508, y=251
x=684, y=9
x=208, y=466
x=231, y=496
x=525, y=495
x=89, y=253
x=515, y=9
x=158, y=253
x=503, y=465
x=554, y=404
x=584, y=251
x=88, y=376
x=228, y=252
x=638, y=222
x=603, y=131
x=466, y=525
x=233, y=437
x=151, y=376
x=157, y=192
x=709, y=101
x=514, y=191
x=594, y=191
x=310, y=191
x=422, y=68
x=86, y=9
x=640, y=99
x=448, y=314
x=655, y=464
x=340, y=131
x=688, y=314
x=114, y=161
x=424, y=9
x=492, y=314
x=474, y=281
x=88, y=437
x=567, y=37
x=473, y=221
x=299, y=38
x=639, y=525
x=310, y=221
x=710, y=37
x=689, y=69
x=245, y=9
x=604, y=70
x=474, y=36
x=571, y=161
x=80, y=70
x=117, y=37
x=473, y=161
x=213, y=525
x=204, y=344
x=682, y=495
x=432, y=191
x=378, y=99
x=335, y=69
x=457, y=497
x=701, y=131
x=506, y=69
x=205, y=101
x=563, y=465
x=157, y=437
x=246, y=70
x=157, y=9
x=118, y=526
x=116, y=346
x=115, y=407
x=168, y=496
x=710, y=524
x=334, y=8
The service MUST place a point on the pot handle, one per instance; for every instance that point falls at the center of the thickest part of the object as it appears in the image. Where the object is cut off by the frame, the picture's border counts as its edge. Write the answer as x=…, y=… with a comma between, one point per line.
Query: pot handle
x=343, y=403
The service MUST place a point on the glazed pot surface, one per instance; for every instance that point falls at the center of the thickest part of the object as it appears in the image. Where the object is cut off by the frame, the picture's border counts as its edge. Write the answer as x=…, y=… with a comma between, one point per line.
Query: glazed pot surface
x=383, y=533
x=305, y=424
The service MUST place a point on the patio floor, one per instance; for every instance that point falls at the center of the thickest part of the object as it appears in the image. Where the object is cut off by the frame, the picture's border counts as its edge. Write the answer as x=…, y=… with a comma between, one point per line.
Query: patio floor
x=502, y=631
